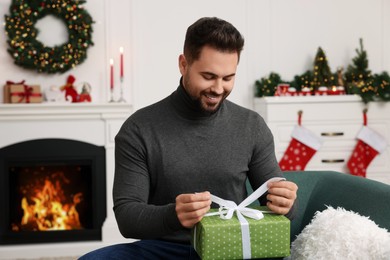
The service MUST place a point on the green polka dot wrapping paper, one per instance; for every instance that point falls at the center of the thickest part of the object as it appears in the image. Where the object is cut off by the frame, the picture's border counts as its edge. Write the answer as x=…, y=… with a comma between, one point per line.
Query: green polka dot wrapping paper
x=216, y=238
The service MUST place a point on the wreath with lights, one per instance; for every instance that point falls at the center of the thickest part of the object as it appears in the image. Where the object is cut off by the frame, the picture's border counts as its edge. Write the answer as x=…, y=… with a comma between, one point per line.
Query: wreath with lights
x=30, y=53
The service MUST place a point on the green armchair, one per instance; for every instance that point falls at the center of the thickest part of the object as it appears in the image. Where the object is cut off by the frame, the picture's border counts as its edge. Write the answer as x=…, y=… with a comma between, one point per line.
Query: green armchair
x=319, y=189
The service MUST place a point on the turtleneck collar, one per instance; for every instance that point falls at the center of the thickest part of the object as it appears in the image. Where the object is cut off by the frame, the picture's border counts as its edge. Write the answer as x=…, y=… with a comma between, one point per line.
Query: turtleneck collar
x=187, y=107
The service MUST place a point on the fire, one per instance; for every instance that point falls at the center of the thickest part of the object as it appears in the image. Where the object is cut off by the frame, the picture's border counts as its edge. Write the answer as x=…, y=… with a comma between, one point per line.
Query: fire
x=48, y=210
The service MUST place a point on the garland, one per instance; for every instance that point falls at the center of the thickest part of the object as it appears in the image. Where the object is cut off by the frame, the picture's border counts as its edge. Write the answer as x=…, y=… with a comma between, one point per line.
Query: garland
x=357, y=79
x=30, y=53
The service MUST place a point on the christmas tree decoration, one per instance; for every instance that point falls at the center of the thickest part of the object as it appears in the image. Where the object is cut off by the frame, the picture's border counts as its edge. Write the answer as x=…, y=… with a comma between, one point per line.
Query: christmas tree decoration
x=358, y=70
x=381, y=83
x=304, y=144
x=303, y=81
x=358, y=77
x=322, y=74
x=267, y=86
x=30, y=53
x=369, y=145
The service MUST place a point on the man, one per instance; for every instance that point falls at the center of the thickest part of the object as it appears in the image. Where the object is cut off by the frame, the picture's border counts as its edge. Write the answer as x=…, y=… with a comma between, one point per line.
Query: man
x=171, y=155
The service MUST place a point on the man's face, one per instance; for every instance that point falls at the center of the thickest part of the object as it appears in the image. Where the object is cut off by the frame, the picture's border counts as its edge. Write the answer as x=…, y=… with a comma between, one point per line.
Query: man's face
x=210, y=79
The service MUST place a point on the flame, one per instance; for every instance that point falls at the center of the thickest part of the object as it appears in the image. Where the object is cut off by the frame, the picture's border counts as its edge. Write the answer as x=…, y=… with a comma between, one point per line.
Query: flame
x=48, y=210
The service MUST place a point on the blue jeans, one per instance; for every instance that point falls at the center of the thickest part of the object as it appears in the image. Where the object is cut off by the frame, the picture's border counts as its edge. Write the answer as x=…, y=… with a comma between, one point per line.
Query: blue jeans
x=143, y=249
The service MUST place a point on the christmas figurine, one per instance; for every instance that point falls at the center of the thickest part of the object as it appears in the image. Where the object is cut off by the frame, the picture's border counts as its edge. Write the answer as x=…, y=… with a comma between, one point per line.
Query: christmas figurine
x=85, y=93
x=70, y=91
x=340, y=77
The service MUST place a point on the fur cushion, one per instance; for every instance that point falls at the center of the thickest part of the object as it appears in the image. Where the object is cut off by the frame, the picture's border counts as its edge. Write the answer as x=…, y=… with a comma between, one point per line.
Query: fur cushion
x=341, y=234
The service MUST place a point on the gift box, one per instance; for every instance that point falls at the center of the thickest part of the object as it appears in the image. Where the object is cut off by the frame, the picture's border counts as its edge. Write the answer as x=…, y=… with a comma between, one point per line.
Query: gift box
x=282, y=89
x=216, y=238
x=22, y=93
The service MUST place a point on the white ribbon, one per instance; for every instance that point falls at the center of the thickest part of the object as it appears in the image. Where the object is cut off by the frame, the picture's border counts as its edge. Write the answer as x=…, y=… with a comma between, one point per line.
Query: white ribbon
x=228, y=207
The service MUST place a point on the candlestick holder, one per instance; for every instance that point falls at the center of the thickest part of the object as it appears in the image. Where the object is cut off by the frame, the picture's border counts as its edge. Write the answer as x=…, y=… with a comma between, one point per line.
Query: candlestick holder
x=112, y=95
x=121, y=98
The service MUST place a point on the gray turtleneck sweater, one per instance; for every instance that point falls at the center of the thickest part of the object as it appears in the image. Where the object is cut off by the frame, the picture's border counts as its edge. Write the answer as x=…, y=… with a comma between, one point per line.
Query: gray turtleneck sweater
x=171, y=147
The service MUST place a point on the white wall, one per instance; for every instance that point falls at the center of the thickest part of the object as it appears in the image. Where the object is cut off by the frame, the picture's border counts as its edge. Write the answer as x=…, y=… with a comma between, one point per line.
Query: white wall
x=281, y=36
x=92, y=70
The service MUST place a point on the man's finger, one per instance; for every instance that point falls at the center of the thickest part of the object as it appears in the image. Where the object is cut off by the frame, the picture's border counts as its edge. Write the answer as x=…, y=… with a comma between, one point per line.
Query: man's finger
x=194, y=197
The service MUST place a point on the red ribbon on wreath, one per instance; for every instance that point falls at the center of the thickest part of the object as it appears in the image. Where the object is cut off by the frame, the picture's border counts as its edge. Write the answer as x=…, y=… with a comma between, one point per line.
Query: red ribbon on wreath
x=27, y=93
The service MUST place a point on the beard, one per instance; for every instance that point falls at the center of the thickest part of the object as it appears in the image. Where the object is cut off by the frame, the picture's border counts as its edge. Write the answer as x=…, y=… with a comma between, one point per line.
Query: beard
x=206, y=107
x=202, y=101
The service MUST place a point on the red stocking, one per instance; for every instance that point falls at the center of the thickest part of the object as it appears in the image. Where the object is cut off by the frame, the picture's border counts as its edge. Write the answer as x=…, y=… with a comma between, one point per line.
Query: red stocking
x=369, y=145
x=303, y=146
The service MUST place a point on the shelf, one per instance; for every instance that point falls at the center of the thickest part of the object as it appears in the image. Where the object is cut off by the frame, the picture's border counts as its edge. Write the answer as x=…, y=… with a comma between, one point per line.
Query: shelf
x=63, y=110
x=308, y=99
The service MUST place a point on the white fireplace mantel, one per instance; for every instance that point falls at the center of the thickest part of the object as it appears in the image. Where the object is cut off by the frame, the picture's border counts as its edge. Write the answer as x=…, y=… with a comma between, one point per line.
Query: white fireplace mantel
x=79, y=121
x=14, y=112
x=87, y=122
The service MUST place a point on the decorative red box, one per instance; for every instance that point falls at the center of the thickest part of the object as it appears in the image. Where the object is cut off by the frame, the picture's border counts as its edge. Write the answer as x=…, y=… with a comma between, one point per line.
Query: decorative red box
x=21, y=93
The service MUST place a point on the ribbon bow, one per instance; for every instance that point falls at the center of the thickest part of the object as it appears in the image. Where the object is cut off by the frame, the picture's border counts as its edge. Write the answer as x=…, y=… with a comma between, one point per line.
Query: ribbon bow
x=26, y=94
x=15, y=83
x=228, y=207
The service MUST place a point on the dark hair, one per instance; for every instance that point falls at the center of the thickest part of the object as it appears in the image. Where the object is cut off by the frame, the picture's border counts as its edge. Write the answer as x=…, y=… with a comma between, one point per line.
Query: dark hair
x=213, y=32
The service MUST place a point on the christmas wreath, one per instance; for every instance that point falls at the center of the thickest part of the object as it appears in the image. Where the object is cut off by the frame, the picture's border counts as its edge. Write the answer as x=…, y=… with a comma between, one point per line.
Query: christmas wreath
x=30, y=53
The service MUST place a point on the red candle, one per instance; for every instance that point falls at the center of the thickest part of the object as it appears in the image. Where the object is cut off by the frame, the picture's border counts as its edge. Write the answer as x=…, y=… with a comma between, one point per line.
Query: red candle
x=121, y=67
x=111, y=73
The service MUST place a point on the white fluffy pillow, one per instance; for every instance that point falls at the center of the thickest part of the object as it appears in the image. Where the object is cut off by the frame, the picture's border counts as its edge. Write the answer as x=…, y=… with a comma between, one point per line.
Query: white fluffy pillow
x=341, y=234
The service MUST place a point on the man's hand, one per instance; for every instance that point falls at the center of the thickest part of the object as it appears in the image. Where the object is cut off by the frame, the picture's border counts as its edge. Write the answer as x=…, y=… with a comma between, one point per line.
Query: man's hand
x=281, y=196
x=190, y=208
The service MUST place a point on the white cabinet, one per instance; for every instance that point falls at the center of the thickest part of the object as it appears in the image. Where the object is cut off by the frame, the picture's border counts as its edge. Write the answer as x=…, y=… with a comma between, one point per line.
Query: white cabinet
x=337, y=120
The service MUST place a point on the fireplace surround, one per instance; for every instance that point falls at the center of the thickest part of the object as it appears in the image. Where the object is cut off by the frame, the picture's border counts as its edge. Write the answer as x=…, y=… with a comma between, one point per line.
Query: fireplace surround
x=89, y=125
x=53, y=190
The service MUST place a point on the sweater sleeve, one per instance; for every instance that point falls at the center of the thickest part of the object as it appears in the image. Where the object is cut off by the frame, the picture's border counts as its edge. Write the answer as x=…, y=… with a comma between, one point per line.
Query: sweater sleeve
x=135, y=217
x=264, y=164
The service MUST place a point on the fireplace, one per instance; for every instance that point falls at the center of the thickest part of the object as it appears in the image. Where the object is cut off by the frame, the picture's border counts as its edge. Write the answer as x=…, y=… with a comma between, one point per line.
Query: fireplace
x=85, y=125
x=53, y=190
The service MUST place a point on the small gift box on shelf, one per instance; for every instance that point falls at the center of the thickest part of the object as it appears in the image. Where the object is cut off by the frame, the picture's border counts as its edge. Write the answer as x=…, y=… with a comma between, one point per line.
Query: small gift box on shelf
x=22, y=93
x=281, y=89
x=221, y=234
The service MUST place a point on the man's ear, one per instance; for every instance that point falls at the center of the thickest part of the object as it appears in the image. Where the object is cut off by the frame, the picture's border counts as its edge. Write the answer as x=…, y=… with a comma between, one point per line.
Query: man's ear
x=182, y=64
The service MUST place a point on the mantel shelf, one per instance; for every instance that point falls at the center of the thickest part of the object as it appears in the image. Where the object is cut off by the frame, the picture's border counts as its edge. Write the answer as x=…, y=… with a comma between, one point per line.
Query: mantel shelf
x=63, y=110
x=308, y=99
